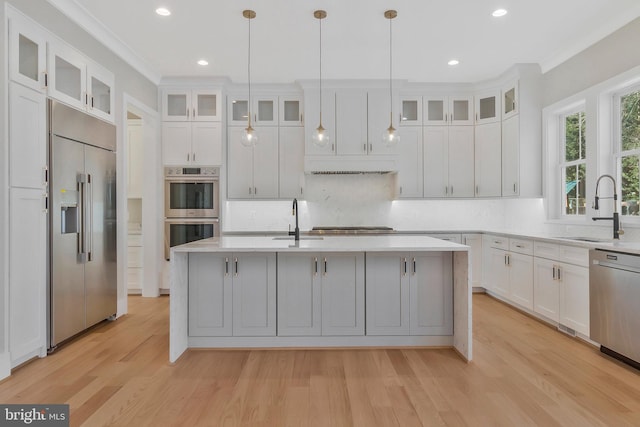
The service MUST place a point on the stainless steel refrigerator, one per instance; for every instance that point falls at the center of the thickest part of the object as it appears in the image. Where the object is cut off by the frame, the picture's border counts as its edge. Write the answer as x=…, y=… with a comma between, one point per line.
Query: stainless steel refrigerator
x=82, y=222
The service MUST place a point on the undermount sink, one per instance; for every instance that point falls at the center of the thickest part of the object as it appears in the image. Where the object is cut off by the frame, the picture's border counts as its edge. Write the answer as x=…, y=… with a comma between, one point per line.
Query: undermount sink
x=301, y=238
x=583, y=239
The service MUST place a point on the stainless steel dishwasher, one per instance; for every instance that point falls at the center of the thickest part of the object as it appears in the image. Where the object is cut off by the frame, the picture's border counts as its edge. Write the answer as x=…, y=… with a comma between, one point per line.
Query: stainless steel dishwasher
x=614, y=304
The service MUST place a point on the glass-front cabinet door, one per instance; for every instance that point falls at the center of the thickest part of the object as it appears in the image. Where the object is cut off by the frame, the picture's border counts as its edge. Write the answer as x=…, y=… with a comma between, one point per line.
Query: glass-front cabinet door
x=206, y=105
x=27, y=55
x=176, y=105
x=238, y=110
x=510, y=100
x=265, y=110
x=100, y=92
x=436, y=110
x=461, y=110
x=410, y=111
x=67, y=76
x=291, y=113
x=488, y=106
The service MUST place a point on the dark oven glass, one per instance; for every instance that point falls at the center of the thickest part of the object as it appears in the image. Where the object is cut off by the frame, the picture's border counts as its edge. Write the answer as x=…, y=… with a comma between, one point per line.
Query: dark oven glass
x=191, y=195
x=185, y=233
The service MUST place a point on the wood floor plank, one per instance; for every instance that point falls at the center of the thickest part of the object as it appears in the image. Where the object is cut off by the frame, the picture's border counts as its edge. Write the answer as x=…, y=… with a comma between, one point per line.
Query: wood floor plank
x=524, y=373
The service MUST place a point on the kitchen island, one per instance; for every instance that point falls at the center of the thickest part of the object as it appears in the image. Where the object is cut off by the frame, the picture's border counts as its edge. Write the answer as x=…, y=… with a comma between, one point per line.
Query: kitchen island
x=362, y=291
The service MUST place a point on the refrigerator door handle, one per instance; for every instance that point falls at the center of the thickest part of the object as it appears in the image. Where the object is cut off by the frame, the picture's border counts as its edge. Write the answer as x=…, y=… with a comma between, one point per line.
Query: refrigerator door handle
x=82, y=218
x=89, y=221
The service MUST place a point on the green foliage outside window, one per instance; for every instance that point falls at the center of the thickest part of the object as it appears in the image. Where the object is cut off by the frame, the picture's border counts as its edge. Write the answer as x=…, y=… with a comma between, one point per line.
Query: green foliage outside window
x=630, y=157
x=575, y=160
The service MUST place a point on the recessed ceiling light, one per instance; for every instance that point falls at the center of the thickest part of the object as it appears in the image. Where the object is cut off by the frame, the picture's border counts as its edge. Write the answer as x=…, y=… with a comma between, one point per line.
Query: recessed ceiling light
x=453, y=62
x=203, y=62
x=499, y=12
x=163, y=11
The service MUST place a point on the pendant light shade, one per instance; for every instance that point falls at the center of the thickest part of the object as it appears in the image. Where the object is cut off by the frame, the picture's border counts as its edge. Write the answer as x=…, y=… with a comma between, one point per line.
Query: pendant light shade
x=320, y=136
x=249, y=136
x=390, y=136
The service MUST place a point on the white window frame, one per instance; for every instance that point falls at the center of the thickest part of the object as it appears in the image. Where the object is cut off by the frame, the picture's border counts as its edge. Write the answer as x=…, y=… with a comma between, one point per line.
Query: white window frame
x=563, y=164
x=618, y=154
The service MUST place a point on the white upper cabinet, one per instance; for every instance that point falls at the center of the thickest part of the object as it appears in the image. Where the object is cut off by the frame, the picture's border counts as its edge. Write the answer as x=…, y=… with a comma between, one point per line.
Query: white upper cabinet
x=488, y=106
x=195, y=144
x=351, y=122
x=411, y=111
x=201, y=105
x=510, y=100
x=27, y=54
x=448, y=110
x=410, y=171
x=448, y=161
x=291, y=110
x=79, y=82
x=292, y=179
x=264, y=110
x=312, y=111
x=511, y=156
x=379, y=115
x=488, y=160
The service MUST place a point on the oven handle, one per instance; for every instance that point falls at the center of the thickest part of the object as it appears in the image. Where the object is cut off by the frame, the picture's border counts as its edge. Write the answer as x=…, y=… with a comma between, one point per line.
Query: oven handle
x=192, y=220
x=192, y=180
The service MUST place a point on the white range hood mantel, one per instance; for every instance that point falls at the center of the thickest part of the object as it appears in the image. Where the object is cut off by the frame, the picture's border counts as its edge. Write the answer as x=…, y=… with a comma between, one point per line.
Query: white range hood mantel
x=350, y=164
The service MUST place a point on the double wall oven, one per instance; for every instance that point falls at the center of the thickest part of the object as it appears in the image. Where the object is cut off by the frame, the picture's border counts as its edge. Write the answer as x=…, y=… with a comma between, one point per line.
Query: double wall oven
x=191, y=205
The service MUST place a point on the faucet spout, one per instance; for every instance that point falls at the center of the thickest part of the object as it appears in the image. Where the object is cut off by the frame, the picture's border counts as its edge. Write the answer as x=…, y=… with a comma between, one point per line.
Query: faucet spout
x=296, y=232
x=615, y=218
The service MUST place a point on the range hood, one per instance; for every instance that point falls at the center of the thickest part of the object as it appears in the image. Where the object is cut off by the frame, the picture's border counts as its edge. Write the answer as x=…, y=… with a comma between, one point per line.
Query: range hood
x=349, y=164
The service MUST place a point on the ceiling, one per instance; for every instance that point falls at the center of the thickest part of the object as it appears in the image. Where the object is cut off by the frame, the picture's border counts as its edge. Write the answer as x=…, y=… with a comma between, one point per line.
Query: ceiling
x=285, y=36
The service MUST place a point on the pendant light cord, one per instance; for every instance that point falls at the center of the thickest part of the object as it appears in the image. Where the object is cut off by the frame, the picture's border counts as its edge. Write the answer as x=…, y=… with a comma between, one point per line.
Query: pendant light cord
x=320, y=21
x=249, y=75
x=390, y=83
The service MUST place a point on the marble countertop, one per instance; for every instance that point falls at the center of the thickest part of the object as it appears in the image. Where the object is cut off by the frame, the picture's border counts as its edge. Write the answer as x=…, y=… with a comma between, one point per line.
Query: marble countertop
x=382, y=243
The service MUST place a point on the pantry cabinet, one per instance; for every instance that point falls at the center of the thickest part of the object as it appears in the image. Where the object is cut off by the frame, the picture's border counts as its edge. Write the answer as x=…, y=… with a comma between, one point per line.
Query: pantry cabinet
x=321, y=294
x=488, y=160
x=291, y=171
x=253, y=171
x=511, y=156
x=409, y=294
x=410, y=160
x=232, y=294
x=196, y=144
x=197, y=105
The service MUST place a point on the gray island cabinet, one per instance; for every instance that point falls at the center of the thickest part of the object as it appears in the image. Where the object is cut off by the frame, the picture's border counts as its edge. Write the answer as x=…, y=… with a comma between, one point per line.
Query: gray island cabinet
x=257, y=292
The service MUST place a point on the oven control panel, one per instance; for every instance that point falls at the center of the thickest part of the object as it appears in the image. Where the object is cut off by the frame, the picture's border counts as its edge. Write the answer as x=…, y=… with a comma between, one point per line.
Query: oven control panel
x=191, y=171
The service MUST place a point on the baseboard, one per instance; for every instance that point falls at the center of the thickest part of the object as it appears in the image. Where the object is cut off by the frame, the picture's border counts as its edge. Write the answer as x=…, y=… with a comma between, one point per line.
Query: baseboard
x=5, y=365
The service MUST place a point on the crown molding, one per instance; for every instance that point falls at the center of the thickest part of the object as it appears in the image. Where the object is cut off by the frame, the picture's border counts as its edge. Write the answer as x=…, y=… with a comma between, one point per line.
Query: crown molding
x=598, y=34
x=104, y=35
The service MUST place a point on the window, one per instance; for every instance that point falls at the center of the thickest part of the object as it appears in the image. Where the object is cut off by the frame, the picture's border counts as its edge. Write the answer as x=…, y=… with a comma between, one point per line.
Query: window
x=573, y=163
x=628, y=152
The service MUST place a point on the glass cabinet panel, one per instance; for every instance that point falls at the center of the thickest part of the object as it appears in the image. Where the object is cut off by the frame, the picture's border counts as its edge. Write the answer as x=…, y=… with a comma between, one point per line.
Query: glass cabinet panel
x=207, y=104
x=240, y=110
x=411, y=114
x=68, y=78
x=28, y=58
x=291, y=111
x=510, y=100
x=435, y=110
x=100, y=95
x=487, y=108
x=461, y=110
x=265, y=111
x=176, y=105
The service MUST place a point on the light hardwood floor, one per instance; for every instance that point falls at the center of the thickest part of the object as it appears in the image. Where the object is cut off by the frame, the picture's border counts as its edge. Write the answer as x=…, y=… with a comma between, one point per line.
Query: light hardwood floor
x=523, y=374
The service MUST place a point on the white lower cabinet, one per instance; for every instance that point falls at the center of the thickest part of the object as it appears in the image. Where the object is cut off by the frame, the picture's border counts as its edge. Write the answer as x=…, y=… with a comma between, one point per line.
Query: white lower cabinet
x=27, y=274
x=321, y=294
x=409, y=294
x=561, y=285
x=474, y=241
x=232, y=294
x=511, y=274
x=546, y=289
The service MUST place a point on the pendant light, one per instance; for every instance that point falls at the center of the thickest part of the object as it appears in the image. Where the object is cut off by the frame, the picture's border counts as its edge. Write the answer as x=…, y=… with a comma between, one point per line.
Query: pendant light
x=320, y=137
x=390, y=136
x=249, y=136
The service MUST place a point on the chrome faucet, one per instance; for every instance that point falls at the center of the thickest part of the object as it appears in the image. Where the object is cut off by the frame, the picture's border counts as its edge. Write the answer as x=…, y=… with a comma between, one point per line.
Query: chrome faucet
x=296, y=231
x=615, y=218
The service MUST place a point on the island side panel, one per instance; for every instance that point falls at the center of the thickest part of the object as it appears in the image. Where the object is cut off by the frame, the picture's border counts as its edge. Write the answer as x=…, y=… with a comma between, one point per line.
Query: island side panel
x=462, y=305
x=178, y=305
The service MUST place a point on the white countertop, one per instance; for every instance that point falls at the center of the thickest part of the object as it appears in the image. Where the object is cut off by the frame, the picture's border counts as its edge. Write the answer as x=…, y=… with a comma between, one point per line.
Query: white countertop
x=382, y=243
